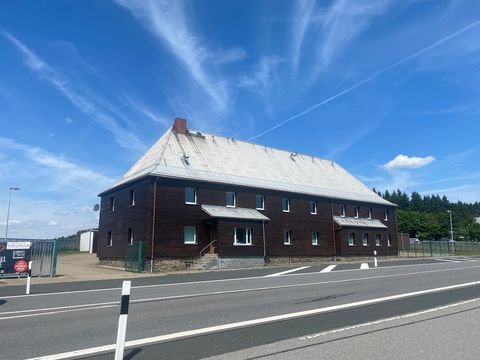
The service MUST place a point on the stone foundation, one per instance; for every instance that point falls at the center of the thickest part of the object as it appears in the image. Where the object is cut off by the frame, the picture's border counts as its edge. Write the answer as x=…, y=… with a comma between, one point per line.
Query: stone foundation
x=240, y=262
x=282, y=260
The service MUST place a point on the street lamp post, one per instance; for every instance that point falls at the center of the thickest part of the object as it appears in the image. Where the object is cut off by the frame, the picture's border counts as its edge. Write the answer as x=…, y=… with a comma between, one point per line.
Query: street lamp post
x=451, y=230
x=8, y=210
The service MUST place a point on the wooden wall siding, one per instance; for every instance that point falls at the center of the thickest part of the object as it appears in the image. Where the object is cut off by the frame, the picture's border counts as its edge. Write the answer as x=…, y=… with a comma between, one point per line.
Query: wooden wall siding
x=358, y=249
x=172, y=215
x=225, y=237
x=137, y=217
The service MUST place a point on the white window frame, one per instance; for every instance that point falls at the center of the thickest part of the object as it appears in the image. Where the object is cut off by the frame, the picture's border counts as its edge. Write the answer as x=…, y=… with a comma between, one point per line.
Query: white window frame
x=343, y=210
x=287, y=237
x=385, y=214
x=313, y=208
x=189, y=242
x=194, y=195
x=351, y=239
x=315, y=238
x=234, y=199
x=389, y=241
x=357, y=212
x=248, y=237
x=130, y=236
x=378, y=239
x=365, y=239
x=287, y=202
x=109, y=239
x=263, y=202
x=370, y=213
x=132, y=198
x=111, y=204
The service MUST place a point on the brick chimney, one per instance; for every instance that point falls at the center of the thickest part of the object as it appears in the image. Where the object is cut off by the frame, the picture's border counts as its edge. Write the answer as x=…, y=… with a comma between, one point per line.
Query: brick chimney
x=180, y=125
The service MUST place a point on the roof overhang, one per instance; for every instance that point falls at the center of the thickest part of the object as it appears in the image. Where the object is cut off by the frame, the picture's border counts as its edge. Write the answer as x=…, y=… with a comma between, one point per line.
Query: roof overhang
x=233, y=213
x=356, y=222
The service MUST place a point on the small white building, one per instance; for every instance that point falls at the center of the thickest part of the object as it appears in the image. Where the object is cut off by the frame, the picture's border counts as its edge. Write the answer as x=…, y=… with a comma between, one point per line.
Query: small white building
x=88, y=241
x=477, y=220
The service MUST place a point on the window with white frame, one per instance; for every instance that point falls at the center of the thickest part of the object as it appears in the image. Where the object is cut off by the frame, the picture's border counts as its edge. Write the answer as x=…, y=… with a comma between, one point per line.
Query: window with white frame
x=315, y=238
x=190, y=195
x=342, y=210
x=365, y=240
x=286, y=205
x=287, y=237
x=130, y=236
x=357, y=211
x=378, y=237
x=385, y=214
x=189, y=235
x=351, y=239
x=242, y=236
x=111, y=205
x=230, y=199
x=132, y=198
x=260, y=202
x=313, y=207
x=109, y=239
x=389, y=241
x=370, y=213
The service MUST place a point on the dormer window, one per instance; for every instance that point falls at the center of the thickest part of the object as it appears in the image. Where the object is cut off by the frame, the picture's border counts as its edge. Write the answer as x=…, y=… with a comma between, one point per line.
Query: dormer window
x=342, y=210
x=357, y=212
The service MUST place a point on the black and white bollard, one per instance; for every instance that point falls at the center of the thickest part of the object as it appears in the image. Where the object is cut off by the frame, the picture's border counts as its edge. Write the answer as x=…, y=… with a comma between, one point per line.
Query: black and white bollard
x=375, y=258
x=122, y=320
x=29, y=276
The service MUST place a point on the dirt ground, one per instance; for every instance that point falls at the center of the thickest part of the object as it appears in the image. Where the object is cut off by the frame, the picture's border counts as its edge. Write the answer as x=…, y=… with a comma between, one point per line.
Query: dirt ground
x=79, y=267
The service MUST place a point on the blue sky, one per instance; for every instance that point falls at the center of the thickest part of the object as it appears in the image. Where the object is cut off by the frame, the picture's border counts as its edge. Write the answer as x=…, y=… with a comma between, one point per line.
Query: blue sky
x=388, y=89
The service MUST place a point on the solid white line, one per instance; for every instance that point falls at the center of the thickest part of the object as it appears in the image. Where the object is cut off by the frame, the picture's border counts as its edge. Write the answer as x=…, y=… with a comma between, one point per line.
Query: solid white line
x=218, y=281
x=72, y=308
x=288, y=271
x=381, y=321
x=448, y=260
x=328, y=268
x=364, y=266
x=247, y=323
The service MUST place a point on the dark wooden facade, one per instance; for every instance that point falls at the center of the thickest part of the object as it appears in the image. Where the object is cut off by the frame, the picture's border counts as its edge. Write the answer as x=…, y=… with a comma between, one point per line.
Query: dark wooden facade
x=172, y=214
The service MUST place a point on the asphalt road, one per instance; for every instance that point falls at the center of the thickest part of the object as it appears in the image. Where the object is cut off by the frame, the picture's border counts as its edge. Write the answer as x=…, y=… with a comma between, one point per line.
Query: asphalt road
x=227, y=313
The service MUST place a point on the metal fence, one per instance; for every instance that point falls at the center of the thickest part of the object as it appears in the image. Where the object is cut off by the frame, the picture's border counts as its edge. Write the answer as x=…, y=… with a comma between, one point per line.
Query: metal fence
x=44, y=257
x=68, y=244
x=134, y=257
x=430, y=248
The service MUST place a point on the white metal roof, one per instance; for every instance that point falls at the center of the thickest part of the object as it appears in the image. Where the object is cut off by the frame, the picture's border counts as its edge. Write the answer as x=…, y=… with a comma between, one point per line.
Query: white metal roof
x=368, y=223
x=212, y=158
x=233, y=213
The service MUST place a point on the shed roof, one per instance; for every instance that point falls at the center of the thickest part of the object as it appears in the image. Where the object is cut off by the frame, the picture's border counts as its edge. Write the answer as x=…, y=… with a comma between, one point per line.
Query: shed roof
x=233, y=213
x=206, y=157
x=356, y=222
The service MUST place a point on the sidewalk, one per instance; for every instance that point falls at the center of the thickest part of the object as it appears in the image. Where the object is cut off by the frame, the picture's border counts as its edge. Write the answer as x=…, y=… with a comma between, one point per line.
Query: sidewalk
x=79, y=267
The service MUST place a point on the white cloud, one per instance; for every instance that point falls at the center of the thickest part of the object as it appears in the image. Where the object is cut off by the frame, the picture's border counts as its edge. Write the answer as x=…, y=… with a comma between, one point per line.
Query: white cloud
x=262, y=76
x=406, y=162
x=302, y=18
x=167, y=21
x=53, y=223
x=229, y=56
x=102, y=114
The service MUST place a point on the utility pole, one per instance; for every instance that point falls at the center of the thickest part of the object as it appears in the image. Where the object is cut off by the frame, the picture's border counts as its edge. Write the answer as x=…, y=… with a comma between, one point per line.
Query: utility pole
x=8, y=210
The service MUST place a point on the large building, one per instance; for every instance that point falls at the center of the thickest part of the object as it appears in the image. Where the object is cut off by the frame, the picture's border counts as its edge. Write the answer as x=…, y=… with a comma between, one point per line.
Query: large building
x=194, y=193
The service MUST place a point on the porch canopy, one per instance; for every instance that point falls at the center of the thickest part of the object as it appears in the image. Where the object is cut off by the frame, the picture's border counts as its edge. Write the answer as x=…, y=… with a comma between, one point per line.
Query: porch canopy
x=356, y=222
x=233, y=213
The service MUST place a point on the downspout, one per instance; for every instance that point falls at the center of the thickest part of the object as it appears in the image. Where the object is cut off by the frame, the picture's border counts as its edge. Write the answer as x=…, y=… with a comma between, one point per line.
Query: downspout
x=264, y=246
x=153, y=222
x=333, y=233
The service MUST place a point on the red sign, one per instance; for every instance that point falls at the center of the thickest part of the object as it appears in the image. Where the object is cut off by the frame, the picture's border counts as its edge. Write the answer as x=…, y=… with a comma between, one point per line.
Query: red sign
x=20, y=266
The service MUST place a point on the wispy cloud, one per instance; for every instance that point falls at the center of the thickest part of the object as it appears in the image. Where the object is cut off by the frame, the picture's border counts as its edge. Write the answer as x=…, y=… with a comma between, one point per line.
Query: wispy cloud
x=82, y=101
x=343, y=21
x=62, y=171
x=438, y=112
x=371, y=77
x=262, y=76
x=166, y=20
x=229, y=56
x=146, y=111
x=407, y=162
x=302, y=17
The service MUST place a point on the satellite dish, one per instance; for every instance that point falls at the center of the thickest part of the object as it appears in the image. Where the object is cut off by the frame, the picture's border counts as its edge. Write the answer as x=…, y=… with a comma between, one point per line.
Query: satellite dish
x=96, y=207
